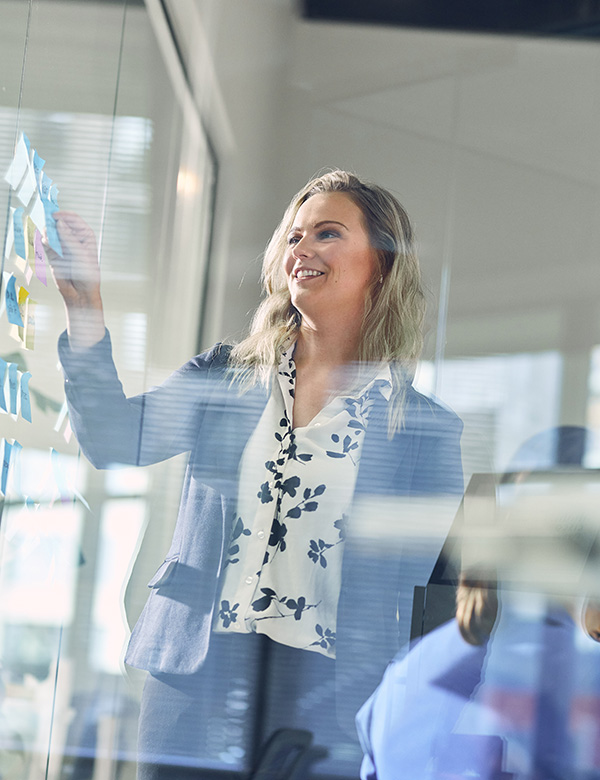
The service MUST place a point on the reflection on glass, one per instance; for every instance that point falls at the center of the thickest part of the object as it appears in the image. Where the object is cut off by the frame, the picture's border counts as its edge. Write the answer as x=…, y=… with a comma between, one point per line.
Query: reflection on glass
x=491, y=144
x=506, y=689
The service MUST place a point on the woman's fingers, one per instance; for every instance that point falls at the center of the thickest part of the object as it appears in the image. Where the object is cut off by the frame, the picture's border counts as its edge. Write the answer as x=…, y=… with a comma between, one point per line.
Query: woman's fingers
x=76, y=272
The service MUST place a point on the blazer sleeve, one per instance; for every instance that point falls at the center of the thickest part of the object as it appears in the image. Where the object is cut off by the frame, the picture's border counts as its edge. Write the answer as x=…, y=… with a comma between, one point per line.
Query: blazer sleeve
x=143, y=429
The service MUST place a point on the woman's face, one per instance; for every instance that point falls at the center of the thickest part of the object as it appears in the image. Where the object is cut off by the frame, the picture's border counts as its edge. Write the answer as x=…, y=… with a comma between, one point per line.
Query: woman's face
x=329, y=262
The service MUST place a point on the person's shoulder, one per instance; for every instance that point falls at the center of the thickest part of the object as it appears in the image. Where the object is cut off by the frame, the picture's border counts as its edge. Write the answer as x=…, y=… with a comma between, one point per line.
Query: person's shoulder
x=425, y=410
x=214, y=359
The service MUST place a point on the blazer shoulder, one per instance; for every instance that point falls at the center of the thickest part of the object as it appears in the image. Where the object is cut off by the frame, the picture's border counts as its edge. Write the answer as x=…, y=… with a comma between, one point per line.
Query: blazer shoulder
x=214, y=359
x=426, y=411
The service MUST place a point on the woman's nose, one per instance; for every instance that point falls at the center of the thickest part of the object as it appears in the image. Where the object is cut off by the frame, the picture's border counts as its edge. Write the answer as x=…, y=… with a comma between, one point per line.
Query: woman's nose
x=302, y=248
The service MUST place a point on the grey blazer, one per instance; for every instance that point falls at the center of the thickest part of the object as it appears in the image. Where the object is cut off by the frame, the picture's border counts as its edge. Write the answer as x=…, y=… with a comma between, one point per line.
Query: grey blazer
x=197, y=410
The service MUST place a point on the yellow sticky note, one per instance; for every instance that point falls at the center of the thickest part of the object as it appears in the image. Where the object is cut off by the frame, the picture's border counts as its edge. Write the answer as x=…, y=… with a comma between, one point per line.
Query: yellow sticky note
x=22, y=297
x=29, y=239
x=29, y=320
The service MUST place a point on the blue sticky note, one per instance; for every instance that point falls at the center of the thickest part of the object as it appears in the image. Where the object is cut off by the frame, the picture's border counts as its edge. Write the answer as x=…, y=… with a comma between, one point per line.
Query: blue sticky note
x=12, y=305
x=45, y=185
x=26, y=142
x=6, y=450
x=3, y=367
x=19, y=233
x=25, y=397
x=53, y=195
x=15, y=466
x=13, y=386
x=38, y=164
x=51, y=231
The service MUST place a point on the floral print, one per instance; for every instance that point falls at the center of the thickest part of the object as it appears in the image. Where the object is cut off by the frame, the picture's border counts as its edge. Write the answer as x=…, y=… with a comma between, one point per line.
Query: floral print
x=283, y=563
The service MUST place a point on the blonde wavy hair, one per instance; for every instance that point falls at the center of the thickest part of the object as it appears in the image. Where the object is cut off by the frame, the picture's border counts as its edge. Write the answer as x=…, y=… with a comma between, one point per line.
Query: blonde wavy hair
x=394, y=308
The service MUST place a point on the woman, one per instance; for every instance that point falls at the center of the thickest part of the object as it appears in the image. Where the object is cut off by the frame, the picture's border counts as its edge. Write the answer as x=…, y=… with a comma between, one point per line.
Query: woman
x=285, y=431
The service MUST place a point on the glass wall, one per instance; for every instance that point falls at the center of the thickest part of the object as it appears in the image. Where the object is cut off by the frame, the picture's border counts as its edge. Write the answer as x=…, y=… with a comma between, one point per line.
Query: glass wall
x=87, y=87
x=119, y=112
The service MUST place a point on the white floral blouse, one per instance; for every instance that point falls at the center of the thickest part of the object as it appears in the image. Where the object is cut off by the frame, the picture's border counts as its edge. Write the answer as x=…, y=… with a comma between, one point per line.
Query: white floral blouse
x=283, y=566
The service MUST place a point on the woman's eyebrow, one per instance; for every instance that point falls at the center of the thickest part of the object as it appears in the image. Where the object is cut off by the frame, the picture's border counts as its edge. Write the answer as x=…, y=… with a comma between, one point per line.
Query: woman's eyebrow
x=330, y=222
x=320, y=224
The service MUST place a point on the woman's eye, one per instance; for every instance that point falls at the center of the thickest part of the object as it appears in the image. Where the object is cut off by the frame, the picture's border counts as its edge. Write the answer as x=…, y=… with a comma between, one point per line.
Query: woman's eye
x=328, y=234
x=293, y=239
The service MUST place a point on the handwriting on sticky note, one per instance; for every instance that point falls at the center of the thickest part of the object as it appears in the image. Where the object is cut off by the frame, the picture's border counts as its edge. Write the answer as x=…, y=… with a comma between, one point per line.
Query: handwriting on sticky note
x=51, y=231
x=6, y=450
x=25, y=397
x=13, y=386
x=12, y=303
x=40, y=258
x=38, y=164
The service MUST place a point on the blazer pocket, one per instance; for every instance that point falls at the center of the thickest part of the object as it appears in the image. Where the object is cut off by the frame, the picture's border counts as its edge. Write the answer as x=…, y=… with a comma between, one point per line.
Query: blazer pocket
x=164, y=572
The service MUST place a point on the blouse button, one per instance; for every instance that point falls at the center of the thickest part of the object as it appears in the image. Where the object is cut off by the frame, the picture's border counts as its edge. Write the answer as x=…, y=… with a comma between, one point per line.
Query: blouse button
x=249, y=580
x=261, y=534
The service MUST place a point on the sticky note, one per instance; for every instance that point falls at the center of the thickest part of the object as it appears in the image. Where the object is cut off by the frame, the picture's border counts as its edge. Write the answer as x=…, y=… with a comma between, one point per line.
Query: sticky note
x=51, y=231
x=5, y=280
x=3, y=367
x=38, y=213
x=28, y=337
x=15, y=467
x=21, y=298
x=19, y=233
x=12, y=306
x=10, y=236
x=25, y=397
x=29, y=237
x=54, y=195
x=45, y=185
x=19, y=163
x=6, y=450
x=13, y=386
x=38, y=164
x=40, y=258
x=59, y=476
x=28, y=186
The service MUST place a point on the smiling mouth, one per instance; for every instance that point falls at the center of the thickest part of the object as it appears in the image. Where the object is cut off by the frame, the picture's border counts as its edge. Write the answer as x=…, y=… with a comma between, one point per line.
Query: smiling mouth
x=305, y=273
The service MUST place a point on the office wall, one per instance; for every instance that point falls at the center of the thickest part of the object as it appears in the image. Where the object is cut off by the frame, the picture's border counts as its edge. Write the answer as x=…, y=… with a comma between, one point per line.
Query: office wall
x=489, y=142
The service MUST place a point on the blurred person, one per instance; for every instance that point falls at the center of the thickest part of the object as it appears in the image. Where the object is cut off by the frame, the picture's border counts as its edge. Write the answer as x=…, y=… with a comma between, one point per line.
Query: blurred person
x=506, y=688
x=285, y=430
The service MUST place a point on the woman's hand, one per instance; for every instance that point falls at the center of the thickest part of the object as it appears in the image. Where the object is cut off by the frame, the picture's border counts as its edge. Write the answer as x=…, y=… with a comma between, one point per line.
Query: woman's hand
x=77, y=276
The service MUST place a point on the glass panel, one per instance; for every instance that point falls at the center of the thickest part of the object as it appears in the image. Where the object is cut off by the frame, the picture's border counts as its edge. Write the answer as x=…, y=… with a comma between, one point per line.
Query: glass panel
x=87, y=85
x=475, y=612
